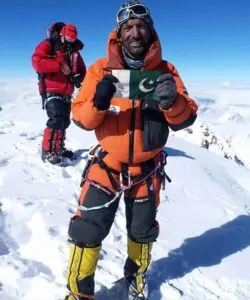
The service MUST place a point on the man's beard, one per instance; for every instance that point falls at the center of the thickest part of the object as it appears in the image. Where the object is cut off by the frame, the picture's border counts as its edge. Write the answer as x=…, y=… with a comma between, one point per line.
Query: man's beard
x=138, y=50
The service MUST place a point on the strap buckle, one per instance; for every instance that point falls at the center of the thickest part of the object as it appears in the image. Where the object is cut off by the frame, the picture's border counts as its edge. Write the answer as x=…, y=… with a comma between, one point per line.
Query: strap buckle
x=94, y=152
x=125, y=178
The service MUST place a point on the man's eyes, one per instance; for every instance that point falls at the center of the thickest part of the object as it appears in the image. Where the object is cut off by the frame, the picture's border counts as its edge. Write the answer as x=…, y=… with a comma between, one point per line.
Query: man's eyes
x=141, y=26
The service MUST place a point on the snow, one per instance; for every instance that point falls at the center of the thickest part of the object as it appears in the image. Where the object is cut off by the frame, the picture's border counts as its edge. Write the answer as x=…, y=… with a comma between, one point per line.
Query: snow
x=203, y=248
x=224, y=119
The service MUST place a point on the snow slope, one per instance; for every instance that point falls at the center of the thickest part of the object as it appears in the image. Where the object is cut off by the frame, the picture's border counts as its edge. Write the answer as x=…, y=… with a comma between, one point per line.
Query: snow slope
x=203, y=249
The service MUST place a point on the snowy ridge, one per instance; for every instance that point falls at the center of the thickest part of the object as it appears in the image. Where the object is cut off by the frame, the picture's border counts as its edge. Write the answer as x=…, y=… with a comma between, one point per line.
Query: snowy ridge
x=223, y=124
x=202, y=134
x=203, y=249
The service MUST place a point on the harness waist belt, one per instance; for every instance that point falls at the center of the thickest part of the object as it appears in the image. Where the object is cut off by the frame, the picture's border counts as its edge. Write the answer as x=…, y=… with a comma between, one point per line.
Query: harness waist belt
x=67, y=98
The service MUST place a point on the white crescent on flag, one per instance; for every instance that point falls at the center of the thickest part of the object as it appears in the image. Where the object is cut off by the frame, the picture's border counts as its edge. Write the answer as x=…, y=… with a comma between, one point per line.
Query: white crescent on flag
x=142, y=87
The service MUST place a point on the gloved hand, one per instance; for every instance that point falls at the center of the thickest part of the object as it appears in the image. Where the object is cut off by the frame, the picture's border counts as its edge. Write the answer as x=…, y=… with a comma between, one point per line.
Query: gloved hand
x=105, y=90
x=65, y=69
x=77, y=79
x=166, y=91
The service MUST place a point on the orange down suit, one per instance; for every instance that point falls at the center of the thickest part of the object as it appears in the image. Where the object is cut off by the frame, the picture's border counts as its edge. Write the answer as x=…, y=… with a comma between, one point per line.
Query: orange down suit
x=112, y=131
x=122, y=145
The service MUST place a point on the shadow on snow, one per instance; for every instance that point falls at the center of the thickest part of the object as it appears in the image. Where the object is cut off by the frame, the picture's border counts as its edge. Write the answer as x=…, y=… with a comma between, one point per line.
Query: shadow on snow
x=205, y=250
x=176, y=152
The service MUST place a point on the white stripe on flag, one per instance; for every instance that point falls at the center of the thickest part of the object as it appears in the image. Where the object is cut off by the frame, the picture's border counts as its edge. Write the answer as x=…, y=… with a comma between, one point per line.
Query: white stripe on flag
x=122, y=87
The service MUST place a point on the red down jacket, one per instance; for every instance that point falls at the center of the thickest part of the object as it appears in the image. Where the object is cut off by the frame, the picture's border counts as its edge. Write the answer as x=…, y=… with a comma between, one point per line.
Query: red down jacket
x=46, y=62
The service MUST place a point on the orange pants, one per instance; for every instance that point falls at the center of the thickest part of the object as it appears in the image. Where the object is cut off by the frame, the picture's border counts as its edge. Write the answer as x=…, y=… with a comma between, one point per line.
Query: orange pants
x=89, y=227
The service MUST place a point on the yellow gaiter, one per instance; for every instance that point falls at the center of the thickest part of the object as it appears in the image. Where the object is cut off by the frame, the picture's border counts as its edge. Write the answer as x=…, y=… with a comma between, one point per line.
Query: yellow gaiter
x=81, y=270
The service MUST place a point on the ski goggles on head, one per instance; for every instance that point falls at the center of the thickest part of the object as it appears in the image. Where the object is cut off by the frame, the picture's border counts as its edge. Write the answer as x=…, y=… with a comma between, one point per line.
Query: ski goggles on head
x=138, y=10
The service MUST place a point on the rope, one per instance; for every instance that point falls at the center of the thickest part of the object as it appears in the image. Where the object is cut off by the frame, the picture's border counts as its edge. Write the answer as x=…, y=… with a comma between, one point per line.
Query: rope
x=93, y=153
x=117, y=195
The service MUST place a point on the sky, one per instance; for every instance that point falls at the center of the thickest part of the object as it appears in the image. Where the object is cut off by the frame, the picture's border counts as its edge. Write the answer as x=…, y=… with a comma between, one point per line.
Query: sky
x=208, y=41
x=203, y=248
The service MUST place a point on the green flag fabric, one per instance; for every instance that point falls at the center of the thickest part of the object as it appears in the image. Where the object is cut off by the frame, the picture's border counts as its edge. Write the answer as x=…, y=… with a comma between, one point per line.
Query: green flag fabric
x=134, y=84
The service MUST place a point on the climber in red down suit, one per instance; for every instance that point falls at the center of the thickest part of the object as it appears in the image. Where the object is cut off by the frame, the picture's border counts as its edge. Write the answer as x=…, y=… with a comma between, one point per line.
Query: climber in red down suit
x=60, y=69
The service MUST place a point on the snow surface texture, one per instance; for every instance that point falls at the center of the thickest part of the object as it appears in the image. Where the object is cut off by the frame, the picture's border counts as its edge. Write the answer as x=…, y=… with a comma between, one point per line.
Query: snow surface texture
x=203, y=249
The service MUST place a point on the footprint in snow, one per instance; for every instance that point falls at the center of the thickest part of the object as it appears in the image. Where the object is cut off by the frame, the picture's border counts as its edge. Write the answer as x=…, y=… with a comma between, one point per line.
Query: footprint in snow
x=31, y=136
x=4, y=162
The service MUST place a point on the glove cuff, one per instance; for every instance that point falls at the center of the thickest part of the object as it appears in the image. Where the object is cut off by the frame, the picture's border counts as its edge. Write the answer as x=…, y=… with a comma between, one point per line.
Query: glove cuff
x=166, y=104
x=101, y=106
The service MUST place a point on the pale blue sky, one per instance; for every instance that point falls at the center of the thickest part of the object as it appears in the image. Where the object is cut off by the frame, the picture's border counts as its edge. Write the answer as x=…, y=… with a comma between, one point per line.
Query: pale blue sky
x=207, y=41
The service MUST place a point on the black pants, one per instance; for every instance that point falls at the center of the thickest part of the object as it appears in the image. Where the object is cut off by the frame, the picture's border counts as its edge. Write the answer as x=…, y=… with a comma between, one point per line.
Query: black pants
x=90, y=227
x=58, y=111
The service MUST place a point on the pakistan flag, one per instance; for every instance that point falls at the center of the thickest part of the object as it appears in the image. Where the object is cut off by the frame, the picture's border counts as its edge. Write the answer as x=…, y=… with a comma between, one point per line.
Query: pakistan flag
x=134, y=84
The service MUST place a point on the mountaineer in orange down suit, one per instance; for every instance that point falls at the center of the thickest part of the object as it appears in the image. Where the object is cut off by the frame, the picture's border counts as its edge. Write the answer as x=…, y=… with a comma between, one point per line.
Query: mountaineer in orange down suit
x=130, y=99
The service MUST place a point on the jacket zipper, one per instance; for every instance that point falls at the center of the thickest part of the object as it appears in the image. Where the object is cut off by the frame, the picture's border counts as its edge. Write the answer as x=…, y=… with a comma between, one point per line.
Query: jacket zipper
x=132, y=133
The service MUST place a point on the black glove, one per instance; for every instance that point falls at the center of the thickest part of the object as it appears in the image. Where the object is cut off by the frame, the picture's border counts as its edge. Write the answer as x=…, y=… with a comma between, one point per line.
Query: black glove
x=77, y=79
x=166, y=91
x=105, y=90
